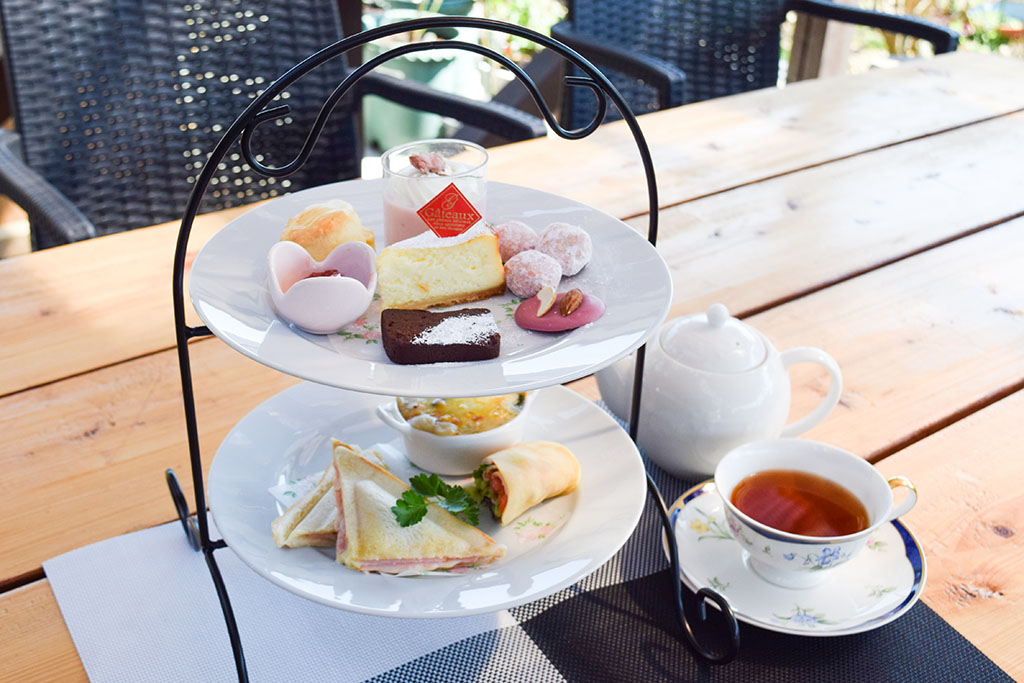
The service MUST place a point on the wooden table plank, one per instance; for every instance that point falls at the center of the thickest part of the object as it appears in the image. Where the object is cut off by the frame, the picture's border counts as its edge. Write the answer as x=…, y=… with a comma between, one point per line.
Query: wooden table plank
x=81, y=306
x=727, y=142
x=36, y=643
x=84, y=458
x=921, y=342
x=970, y=521
x=115, y=291
x=766, y=243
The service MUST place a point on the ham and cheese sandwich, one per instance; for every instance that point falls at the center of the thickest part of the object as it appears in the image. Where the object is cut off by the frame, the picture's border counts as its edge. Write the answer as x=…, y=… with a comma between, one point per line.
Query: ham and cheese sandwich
x=370, y=538
x=312, y=519
x=517, y=478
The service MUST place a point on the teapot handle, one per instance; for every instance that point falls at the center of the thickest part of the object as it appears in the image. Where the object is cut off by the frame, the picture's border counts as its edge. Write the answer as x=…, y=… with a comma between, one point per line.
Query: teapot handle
x=809, y=354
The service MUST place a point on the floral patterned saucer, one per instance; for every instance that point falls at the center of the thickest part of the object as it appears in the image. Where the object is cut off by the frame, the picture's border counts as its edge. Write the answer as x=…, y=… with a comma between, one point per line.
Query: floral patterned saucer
x=877, y=586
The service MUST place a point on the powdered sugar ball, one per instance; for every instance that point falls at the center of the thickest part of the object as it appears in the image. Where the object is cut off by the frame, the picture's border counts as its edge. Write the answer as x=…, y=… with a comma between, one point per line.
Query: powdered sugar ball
x=514, y=237
x=528, y=271
x=569, y=245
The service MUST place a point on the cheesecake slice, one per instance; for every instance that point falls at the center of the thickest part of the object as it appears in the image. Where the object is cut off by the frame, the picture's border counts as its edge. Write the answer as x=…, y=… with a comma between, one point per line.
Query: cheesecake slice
x=428, y=270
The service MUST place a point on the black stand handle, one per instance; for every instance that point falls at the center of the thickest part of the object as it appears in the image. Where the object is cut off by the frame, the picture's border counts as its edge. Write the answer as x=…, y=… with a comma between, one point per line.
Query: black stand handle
x=730, y=630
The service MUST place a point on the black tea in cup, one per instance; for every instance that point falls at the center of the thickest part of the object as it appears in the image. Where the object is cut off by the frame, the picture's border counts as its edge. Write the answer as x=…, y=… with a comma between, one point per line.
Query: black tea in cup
x=800, y=503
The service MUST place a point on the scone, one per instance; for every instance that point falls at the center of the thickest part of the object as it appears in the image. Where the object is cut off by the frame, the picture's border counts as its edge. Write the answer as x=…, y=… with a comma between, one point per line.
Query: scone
x=321, y=227
x=427, y=270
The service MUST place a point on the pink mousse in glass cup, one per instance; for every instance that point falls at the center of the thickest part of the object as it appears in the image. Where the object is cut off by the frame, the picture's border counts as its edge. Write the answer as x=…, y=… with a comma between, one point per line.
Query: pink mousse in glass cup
x=417, y=182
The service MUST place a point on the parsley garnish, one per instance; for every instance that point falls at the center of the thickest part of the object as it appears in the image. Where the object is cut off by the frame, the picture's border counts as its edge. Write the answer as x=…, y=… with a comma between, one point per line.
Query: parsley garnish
x=412, y=506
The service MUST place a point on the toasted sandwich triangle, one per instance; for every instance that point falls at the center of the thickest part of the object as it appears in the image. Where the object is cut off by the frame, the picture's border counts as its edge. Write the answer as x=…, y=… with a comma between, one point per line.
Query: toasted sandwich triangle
x=370, y=538
x=284, y=528
x=319, y=526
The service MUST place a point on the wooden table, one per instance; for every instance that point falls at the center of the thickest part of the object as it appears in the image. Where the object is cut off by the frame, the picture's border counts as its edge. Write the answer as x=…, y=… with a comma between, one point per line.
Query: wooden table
x=880, y=217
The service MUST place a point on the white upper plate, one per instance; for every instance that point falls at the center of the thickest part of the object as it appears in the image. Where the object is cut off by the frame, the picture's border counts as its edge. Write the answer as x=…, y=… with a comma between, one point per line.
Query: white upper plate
x=228, y=279
x=549, y=547
x=878, y=585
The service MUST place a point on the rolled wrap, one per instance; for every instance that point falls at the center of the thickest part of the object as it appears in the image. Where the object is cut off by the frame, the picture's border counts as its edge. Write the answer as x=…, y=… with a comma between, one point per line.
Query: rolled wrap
x=530, y=472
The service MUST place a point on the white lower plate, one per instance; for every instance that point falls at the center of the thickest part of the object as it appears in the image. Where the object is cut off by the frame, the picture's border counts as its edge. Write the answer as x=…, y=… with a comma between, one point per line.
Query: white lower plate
x=548, y=548
x=877, y=586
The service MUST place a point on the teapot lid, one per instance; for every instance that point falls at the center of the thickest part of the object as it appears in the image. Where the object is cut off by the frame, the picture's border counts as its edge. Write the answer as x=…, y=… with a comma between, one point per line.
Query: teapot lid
x=713, y=341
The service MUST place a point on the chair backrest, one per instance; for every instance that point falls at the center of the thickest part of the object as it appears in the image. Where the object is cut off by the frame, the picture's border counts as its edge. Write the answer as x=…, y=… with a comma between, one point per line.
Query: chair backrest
x=118, y=102
x=724, y=46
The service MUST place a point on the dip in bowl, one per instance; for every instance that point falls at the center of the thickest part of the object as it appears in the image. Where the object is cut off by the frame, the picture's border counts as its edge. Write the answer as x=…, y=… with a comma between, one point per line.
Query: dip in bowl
x=453, y=435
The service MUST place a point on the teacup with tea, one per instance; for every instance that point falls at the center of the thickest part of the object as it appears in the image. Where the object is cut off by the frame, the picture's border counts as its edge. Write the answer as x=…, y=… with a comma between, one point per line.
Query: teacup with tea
x=800, y=508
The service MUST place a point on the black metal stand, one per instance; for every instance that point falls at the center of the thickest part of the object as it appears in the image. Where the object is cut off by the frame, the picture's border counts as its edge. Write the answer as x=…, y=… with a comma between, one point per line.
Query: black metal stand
x=196, y=526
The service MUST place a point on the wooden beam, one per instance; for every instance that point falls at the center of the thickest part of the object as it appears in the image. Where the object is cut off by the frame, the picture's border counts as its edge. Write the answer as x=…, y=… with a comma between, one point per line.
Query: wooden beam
x=821, y=48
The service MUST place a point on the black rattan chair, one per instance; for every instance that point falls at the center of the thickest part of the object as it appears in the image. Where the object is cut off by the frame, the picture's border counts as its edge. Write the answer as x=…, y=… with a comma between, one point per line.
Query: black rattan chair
x=118, y=102
x=664, y=53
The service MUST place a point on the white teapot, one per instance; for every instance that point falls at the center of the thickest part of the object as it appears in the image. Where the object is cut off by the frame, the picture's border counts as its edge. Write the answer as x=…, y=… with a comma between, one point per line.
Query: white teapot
x=712, y=383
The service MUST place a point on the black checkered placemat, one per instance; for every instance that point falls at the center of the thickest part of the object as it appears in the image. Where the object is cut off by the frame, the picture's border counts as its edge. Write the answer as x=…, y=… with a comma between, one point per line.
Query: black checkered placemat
x=619, y=624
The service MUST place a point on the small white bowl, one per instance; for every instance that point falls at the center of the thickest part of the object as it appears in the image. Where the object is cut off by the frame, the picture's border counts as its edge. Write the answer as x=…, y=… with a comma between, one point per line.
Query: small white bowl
x=455, y=453
x=322, y=305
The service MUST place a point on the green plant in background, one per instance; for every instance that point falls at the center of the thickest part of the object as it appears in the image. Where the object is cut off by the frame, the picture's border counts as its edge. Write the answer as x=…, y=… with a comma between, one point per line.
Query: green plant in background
x=989, y=26
x=897, y=44
x=538, y=15
x=430, y=5
x=982, y=27
x=982, y=24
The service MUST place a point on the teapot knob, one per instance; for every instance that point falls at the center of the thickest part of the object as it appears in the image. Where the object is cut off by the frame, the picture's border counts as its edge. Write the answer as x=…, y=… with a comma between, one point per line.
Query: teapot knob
x=718, y=315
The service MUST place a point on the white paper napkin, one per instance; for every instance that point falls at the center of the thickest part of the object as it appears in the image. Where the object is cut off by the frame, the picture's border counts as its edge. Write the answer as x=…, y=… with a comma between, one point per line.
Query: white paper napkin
x=142, y=607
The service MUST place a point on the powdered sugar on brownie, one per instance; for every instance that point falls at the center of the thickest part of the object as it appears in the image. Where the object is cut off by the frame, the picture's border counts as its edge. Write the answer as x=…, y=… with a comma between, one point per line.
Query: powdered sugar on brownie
x=463, y=329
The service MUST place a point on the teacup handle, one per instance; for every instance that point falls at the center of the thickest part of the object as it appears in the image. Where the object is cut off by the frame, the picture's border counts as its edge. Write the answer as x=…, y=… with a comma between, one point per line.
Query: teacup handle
x=908, y=502
x=809, y=354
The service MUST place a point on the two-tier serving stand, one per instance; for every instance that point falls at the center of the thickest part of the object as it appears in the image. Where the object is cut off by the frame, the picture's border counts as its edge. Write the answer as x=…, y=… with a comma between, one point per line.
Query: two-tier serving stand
x=196, y=525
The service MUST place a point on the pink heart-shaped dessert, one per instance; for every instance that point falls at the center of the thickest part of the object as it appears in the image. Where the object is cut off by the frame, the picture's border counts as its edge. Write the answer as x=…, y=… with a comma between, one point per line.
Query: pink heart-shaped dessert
x=324, y=304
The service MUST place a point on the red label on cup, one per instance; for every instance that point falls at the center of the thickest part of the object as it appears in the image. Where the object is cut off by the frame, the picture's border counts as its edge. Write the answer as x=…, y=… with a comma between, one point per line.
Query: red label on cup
x=449, y=213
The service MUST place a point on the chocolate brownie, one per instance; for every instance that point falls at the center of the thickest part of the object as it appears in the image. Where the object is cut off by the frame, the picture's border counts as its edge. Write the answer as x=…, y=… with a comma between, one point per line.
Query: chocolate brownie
x=414, y=337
